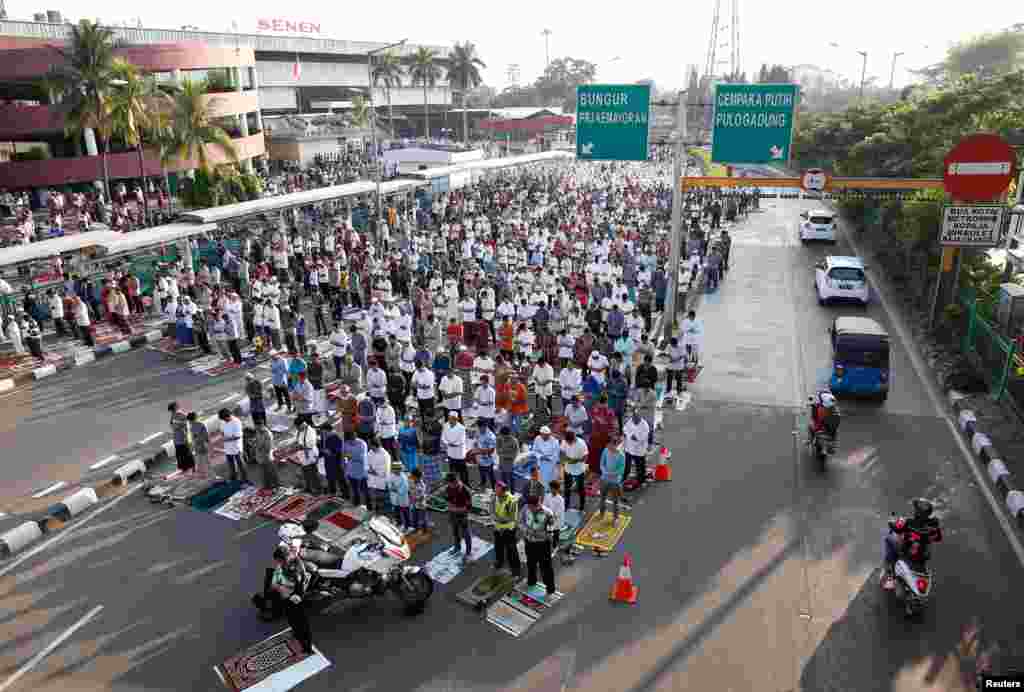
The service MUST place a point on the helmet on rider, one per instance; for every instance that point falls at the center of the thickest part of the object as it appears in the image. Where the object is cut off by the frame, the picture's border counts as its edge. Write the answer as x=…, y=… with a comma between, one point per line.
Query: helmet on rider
x=827, y=400
x=922, y=508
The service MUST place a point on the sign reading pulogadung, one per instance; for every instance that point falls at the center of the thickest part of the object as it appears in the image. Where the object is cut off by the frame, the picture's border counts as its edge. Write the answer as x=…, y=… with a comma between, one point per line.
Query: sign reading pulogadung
x=972, y=226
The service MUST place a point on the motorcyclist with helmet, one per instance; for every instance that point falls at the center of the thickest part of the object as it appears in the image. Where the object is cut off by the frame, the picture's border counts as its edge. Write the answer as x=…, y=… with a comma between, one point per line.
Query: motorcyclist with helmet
x=824, y=414
x=910, y=537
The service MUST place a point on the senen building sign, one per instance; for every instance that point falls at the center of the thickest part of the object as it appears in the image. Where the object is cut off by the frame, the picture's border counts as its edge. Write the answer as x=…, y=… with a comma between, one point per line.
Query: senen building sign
x=287, y=26
x=972, y=226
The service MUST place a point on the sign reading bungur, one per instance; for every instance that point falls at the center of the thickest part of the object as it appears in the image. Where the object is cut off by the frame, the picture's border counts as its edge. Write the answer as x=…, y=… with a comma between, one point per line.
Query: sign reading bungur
x=972, y=225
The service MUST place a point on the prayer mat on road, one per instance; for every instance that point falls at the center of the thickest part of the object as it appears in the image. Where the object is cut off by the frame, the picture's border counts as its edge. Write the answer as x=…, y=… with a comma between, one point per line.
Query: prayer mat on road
x=418, y=538
x=327, y=508
x=341, y=519
x=446, y=566
x=599, y=534
x=330, y=533
x=275, y=664
x=247, y=502
x=215, y=495
x=294, y=508
x=181, y=489
x=487, y=589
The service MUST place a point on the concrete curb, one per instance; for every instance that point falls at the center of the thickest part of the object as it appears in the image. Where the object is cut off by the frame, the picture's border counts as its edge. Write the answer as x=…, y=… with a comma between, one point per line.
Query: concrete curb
x=80, y=357
x=989, y=457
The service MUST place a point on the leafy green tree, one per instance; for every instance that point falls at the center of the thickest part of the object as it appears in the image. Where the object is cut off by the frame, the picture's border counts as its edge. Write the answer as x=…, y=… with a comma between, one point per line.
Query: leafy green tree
x=558, y=83
x=195, y=128
x=425, y=71
x=388, y=72
x=464, y=72
x=985, y=55
x=83, y=81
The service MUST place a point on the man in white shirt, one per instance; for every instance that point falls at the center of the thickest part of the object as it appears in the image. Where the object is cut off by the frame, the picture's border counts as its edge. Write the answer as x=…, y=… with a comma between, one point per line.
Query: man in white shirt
x=468, y=307
x=377, y=384
x=637, y=434
x=387, y=427
x=378, y=472
x=451, y=388
x=423, y=381
x=453, y=439
x=543, y=378
x=574, y=456
x=692, y=331
x=231, y=428
x=570, y=382
x=485, y=399
x=566, y=348
x=598, y=366
x=548, y=451
x=482, y=365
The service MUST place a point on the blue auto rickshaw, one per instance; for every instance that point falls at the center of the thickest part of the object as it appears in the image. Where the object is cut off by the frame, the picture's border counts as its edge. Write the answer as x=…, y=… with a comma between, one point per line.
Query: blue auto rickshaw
x=860, y=358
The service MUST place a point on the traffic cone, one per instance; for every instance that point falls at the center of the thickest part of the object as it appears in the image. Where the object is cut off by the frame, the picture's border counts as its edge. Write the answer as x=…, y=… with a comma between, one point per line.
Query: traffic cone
x=663, y=472
x=625, y=591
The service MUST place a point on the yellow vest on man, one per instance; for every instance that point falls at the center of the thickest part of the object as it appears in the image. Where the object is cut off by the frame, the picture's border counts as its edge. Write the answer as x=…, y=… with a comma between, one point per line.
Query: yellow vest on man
x=506, y=512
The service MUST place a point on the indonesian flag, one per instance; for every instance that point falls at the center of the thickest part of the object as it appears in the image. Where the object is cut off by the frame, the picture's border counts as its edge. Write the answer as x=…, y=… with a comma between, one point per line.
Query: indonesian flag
x=297, y=68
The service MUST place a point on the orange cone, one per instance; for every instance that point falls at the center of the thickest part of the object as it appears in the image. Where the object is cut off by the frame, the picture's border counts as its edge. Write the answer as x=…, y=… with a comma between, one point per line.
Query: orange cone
x=625, y=591
x=663, y=472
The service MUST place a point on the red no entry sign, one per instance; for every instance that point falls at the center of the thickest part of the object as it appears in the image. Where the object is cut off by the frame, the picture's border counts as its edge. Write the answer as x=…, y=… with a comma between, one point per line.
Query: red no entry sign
x=979, y=168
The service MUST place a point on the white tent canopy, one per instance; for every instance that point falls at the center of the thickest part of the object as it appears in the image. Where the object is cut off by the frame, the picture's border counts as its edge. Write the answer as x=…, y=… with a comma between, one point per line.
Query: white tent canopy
x=138, y=240
x=20, y=254
x=488, y=164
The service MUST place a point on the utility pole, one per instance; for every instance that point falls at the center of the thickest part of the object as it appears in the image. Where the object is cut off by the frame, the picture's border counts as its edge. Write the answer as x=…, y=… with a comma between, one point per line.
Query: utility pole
x=863, y=72
x=547, y=52
x=675, y=237
x=892, y=72
x=373, y=119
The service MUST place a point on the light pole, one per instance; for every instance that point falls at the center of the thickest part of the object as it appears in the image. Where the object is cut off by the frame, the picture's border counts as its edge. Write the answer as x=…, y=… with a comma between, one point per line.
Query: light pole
x=373, y=117
x=892, y=72
x=617, y=58
x=863, y=72
x=547, y=52
x=676, y=240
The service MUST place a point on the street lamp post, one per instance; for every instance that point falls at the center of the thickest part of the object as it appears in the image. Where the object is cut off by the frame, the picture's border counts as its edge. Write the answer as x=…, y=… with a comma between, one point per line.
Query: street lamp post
x=863, y=72
x=892, y=72
x=675, y=237
x=373, y=119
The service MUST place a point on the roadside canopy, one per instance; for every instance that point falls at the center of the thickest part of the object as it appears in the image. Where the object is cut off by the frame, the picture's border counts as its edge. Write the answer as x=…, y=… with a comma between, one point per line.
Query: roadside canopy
x=44, y=249
x=527, y=124
x=154, y=237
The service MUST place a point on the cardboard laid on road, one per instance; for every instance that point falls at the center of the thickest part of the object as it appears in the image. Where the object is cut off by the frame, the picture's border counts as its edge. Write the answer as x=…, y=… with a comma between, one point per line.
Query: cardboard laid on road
x=275, y=664
x=599, y=534
x=248, y=502
x=511, y=618
x=326, y=509
x=293, y=508
x=487, y=589
x=182, y=488
x=446, y=566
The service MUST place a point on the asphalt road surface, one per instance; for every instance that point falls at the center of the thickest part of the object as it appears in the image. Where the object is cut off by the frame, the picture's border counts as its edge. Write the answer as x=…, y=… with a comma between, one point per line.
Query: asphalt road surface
x=755, y=571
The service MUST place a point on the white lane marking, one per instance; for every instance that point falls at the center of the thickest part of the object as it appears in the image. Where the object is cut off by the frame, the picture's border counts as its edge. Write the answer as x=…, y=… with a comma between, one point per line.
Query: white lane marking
x=7, y=384
x=924, y=375
x=35, y=660
x=52, y=489
x=150, y=438
x=265, y=380
x=256, y=528
x=229, y=398
x=103, y=462
x=10, y=566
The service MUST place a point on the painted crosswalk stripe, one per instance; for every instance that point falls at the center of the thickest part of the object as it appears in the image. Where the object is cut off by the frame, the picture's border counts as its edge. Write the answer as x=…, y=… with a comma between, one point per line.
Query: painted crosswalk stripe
x=150, y=438
x=52, y=489
x=230, y=398
x=103, y=462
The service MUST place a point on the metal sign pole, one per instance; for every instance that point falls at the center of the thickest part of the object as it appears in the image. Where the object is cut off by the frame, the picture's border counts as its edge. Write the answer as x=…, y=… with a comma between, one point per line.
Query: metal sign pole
x=678, y=176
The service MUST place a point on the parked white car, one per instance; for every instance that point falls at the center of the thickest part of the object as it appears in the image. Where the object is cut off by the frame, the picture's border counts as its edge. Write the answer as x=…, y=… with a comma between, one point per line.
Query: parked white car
x=841, y=279
x=817, y=224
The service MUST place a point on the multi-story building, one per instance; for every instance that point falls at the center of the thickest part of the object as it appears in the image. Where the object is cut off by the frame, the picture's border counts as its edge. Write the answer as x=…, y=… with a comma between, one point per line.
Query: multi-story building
x=251, y=73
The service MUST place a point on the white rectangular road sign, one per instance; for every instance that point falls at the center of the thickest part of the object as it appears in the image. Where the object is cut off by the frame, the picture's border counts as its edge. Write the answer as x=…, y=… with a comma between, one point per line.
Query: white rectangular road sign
x=980, y=168
x=972, y=225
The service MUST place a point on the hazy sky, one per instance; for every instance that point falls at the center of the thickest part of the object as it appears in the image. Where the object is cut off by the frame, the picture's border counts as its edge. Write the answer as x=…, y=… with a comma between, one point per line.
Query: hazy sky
x=650, y=40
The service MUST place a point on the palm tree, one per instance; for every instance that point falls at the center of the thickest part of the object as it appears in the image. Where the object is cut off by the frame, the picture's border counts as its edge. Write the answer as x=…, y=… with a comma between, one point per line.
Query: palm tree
x=194, y=126
x=360, y=111
x=388, y=73
x=464, y=72
x=425, y=72
x=134, y=106
x=83, y=80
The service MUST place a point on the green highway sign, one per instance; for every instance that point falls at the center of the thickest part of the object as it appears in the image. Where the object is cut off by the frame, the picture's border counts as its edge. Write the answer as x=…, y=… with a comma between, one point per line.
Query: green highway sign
x=753, y=123
x=612, y=122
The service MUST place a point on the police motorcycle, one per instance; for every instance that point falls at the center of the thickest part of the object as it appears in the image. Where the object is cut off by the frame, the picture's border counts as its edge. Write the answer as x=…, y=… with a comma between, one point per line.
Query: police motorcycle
x=823, y=427
x=368, y=565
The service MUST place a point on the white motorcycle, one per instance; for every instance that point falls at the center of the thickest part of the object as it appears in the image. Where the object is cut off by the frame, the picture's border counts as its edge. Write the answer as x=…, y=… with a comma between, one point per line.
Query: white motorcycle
x=367, y=565
x=910, y=581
